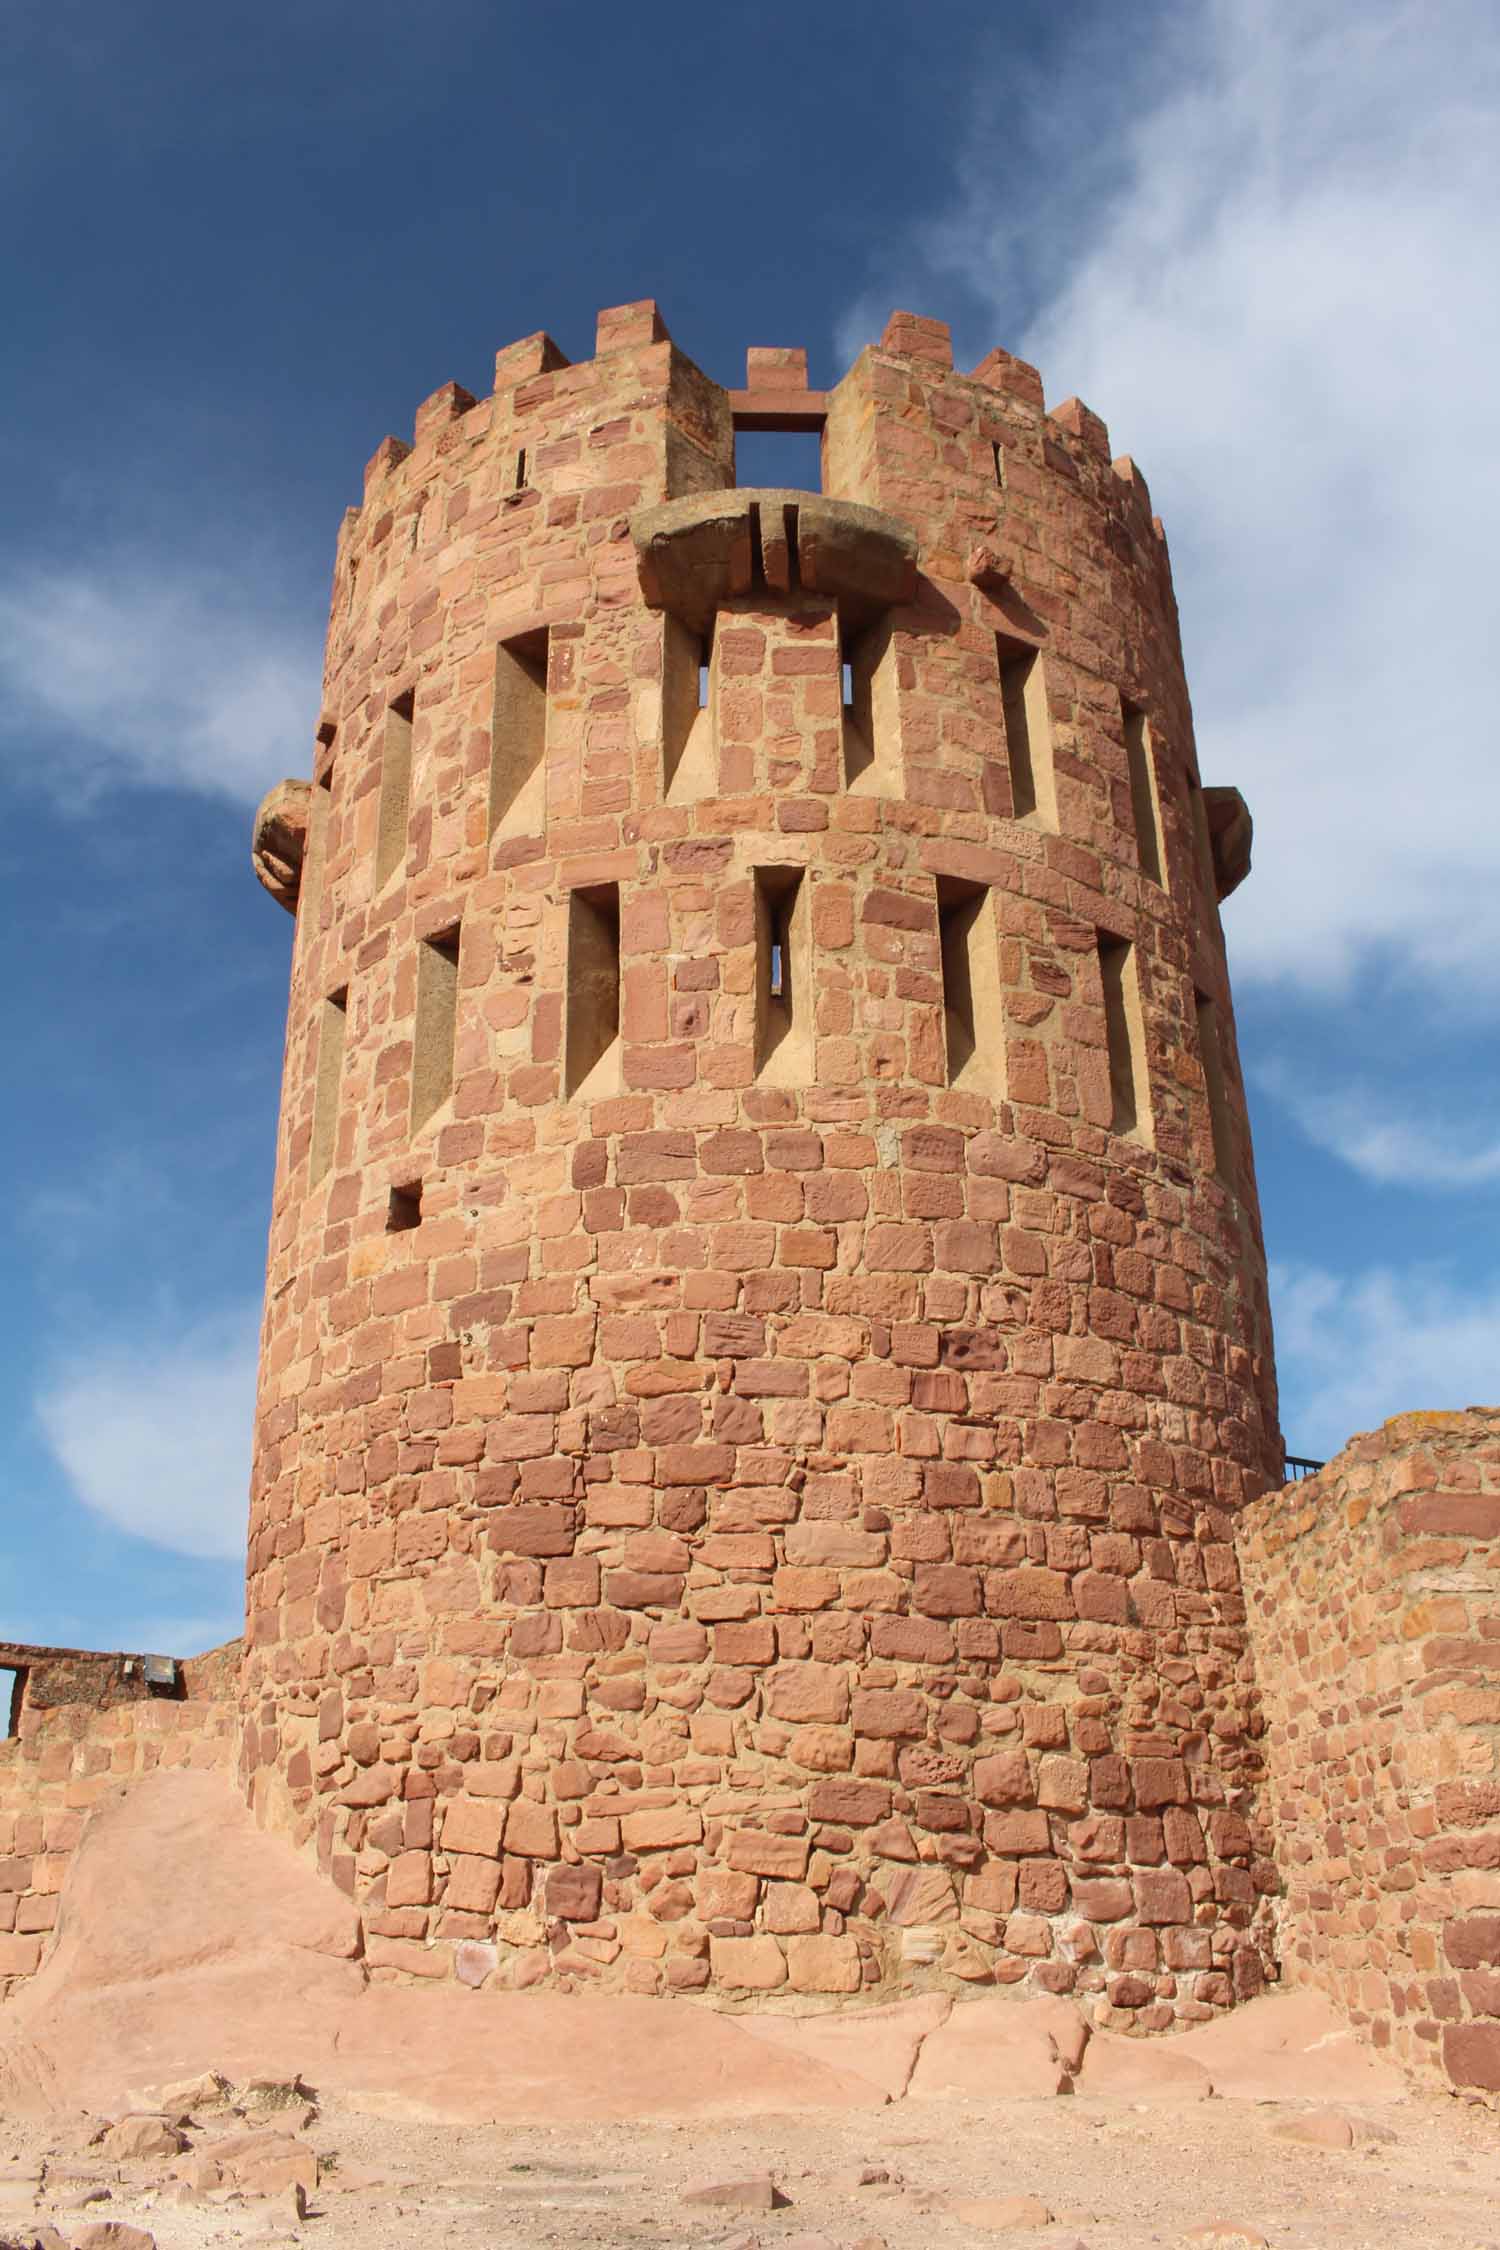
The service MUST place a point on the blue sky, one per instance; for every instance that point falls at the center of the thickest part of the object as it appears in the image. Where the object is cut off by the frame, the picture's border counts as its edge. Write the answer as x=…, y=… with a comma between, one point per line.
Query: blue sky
x=242, y=243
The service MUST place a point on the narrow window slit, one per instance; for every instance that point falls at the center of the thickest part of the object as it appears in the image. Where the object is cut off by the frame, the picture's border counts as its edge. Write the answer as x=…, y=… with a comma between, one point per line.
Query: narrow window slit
x=793, y=559
x=332, y=1026
x=870, y=714
x=757, y=553
x=521, y=470
x=688, y=765
x=1125, y=1038
x=404, y=1209
x=1210, y=1053
x=1144, y=804
x=12, y=1697
x=999, y=452
x=1203, y=846
x=783, y=994
x=518, y=735
x=436, y=1025
x=591, y=1037
x=973, y=1025
x=1028, y=734
x=395, y=789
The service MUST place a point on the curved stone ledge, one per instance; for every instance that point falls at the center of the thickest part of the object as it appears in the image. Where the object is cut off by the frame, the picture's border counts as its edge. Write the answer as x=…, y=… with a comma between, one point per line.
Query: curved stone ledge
x=278, y=840
x=695, y=553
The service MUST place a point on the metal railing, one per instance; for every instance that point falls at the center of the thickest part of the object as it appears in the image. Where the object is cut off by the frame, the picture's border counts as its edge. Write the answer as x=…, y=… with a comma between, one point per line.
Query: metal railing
x=1297, y=1467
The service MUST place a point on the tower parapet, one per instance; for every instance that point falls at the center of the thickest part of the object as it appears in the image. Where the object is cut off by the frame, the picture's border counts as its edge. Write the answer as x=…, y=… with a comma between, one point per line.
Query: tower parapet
x=766, y=1325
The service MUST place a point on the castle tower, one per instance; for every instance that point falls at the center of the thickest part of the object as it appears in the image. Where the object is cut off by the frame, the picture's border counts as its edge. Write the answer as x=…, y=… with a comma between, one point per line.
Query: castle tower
x=766, y=1324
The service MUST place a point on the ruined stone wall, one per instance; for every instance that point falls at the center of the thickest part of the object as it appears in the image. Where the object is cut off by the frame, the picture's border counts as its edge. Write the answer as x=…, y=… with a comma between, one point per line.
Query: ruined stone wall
x=82, y=1725
x=744, y=1489
x=1374, y=1598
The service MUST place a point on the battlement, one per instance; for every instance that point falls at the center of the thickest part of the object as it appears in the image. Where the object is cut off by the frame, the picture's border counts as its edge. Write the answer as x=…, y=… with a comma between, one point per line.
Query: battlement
x=535, y=372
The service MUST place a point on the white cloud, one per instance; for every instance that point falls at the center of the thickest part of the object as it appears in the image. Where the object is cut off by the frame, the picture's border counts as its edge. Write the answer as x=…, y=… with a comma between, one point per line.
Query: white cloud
x=151, y=673
x=153, y=1433
x=1285, y=309
x=1354, y=1350
x=1389, y=1148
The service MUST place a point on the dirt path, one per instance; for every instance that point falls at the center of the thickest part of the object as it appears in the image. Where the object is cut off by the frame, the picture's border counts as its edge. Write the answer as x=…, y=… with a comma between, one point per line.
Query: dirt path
x=1114, y=2176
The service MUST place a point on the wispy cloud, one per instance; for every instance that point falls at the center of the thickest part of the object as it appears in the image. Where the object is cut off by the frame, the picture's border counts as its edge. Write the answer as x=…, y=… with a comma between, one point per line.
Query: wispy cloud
x=1355, y=1350
x=141, y=671
x=1275, y=227
x=1389, y=1147
x=153, y=1432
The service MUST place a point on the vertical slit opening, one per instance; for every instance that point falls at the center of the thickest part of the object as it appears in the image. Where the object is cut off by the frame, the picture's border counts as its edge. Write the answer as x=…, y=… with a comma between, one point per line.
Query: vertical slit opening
x=592, y=1029
x=757, y=554
x=436, y=1025
x=688, y=769
x=1210, y=1053
x=1202, y=841
x=999, y=452
x=1124, y=1029
x=1028, y=734
x=520, y=485
x=12, y=1697
x=783, y=996
x=332, y=1025
x=395, y=789
x=871, y=716
x=518, y=735
x=1144, y=804
x=793, y=558
x=973, y=1027
x=320, y=813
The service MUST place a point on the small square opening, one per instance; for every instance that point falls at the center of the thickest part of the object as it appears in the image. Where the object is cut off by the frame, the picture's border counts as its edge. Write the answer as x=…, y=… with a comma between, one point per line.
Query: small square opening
x=778, y=460
x=404, y=1209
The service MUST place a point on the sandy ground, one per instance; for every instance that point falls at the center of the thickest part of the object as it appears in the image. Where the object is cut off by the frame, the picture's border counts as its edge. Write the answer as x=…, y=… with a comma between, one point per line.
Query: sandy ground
x=1114, y=2176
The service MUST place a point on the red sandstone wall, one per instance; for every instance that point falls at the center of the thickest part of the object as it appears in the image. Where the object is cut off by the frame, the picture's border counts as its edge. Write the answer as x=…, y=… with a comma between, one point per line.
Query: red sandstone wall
x=762, y=1536
x=85, y=1726
x=1374, y=1596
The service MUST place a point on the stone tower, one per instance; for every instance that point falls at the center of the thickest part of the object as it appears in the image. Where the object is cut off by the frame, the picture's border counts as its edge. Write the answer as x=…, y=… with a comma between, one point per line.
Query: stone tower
x=766, y=1324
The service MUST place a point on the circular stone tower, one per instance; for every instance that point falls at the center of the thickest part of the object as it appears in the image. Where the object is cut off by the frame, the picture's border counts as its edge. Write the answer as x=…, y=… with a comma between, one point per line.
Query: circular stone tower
x=766, y=1326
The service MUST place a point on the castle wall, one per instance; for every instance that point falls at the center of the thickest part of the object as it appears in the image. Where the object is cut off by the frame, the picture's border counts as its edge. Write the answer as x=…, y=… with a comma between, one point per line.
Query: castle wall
x=1374, y=1599
x=81, y=1726
x=744, y=1488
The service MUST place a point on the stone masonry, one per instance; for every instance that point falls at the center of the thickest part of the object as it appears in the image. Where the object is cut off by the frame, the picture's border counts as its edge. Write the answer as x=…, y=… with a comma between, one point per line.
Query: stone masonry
x=1374, y=1594
x=766, y=1329
x=79, y=1726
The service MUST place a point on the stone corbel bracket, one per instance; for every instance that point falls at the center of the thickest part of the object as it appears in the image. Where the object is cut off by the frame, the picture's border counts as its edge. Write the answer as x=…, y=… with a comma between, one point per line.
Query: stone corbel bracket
x=1230, y=833
x=695, y=554
x=278, y=840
